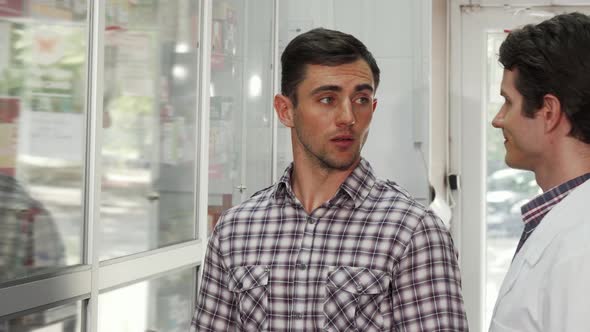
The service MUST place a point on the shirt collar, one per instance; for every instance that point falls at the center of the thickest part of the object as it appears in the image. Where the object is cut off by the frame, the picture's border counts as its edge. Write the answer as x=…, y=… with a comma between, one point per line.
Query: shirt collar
x=539, y=206
x=283, y=188
x=355, y=188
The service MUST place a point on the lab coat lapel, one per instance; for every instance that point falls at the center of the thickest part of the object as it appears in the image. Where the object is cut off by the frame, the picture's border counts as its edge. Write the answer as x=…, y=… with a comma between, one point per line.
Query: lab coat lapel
x=562, y=216
x=512, y=275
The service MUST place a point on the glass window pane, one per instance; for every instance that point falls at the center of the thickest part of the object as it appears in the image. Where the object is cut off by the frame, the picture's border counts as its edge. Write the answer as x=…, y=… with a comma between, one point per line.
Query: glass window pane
x=163, y=304
x=240, y=135
x=64, y=318
x=149, y=121
x=43, y=52
x=507, y=189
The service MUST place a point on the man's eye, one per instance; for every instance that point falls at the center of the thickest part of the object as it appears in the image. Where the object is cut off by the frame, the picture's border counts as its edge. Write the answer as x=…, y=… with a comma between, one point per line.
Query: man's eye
x=362, y=100
x=326, y=100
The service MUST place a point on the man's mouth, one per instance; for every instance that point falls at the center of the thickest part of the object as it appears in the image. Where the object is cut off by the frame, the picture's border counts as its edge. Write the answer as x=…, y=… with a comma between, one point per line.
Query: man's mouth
x=343, y=141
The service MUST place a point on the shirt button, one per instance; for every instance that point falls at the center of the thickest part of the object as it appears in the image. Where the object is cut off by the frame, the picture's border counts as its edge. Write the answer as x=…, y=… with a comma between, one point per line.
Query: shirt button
x=239, y=285
x=310, y=220
x=301, y=266
x=359, y=288
x=298, y=316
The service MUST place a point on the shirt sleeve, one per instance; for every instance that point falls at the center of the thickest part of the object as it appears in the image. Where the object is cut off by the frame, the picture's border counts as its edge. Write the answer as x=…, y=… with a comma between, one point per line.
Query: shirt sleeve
x=215, y=309
x=427, y=285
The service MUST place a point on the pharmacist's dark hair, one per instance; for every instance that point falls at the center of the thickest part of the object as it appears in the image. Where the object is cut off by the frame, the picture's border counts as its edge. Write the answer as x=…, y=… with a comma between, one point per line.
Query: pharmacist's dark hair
x=553, y=57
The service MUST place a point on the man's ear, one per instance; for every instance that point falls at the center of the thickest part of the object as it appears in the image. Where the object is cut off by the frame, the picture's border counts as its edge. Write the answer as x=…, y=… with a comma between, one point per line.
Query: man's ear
x=552, y=113
x=374, y=104
x=284, y=109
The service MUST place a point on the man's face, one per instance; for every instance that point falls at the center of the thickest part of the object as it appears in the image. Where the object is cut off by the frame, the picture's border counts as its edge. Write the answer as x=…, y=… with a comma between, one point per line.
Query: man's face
x=335, y=106
x=523, y=136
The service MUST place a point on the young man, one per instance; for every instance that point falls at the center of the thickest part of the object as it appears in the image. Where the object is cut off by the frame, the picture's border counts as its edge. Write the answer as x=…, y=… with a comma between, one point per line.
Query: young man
x=329, y=247
x=546, y=124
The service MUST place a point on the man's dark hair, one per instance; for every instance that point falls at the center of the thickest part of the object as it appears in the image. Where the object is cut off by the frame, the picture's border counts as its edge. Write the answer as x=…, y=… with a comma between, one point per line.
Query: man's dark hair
x=553, y=57
x=320, y=47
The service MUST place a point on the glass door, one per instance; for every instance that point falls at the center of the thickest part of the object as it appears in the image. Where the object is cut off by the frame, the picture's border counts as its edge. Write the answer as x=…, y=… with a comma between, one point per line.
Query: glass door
x=488, y=211
x=241, y=92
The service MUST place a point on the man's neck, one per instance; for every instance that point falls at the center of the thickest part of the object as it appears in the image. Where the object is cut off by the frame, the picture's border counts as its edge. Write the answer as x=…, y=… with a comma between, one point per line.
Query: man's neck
x=313, y=185
x=563, y=165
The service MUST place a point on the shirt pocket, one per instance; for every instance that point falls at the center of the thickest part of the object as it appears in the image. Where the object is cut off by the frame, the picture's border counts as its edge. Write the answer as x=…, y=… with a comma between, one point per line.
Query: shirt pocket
x=250, y=286
x=353, y=299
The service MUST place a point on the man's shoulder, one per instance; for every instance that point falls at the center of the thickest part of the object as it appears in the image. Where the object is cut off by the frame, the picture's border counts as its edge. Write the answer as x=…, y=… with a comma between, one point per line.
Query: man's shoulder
x=390, y=193
x=264, y=193
x=259, y=201
x=571, y=230
x=388, y=190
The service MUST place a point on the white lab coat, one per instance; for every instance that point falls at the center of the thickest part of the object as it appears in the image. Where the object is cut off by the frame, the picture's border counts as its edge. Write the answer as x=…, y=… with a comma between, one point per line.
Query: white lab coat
x=547, y=287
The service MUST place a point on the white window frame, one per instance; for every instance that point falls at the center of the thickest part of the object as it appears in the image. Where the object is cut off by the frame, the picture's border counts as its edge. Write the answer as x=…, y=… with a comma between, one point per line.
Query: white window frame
x=93, y=277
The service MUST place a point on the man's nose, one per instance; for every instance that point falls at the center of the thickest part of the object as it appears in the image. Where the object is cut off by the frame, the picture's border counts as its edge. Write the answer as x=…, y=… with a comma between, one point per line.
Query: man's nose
x=498, y=120
x=346, y=115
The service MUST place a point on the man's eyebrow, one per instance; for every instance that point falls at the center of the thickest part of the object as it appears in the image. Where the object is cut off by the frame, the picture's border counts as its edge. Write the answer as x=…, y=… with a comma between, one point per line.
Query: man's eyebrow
x=336, y=88
x=362, y=87
x=324, y=88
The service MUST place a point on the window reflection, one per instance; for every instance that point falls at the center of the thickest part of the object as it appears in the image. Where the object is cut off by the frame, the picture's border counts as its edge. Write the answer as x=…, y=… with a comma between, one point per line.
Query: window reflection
x=163, y=304
x=149, y=125
x=42, y=113
x=64, y=318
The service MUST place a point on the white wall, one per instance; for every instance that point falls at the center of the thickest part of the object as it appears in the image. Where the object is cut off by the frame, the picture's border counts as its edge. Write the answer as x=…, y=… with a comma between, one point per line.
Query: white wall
x=397, y=32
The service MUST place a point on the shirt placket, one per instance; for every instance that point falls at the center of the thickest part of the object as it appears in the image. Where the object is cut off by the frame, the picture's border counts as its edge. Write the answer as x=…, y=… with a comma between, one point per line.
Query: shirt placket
x=302, y=291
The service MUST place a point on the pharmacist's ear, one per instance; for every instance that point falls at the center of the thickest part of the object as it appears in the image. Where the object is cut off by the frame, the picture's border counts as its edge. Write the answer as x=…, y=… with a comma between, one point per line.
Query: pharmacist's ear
x=284, y=109
x=553, y=116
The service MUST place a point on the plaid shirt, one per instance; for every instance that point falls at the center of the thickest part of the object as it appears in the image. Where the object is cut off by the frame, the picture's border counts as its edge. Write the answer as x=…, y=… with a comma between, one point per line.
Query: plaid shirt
x=535, y=210
x=369, y=259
